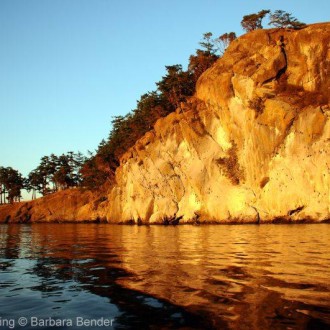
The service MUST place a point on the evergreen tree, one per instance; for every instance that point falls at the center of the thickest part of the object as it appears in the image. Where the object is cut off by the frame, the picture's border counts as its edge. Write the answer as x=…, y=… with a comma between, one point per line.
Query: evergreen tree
x=224, y=41
x=282, y=19
x=34, y=183
x=11, y=182
x=56, y=172
x=208, y=43
x=199, y=63
x=253, y=21
x=176, y=86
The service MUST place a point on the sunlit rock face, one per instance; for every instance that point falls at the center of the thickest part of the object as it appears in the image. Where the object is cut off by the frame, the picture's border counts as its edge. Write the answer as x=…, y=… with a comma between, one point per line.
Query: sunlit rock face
x=66, y=205
x=251, y=146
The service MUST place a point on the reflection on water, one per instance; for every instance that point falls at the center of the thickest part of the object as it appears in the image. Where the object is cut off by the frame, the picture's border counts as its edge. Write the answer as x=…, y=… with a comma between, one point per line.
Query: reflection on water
x=189, y=277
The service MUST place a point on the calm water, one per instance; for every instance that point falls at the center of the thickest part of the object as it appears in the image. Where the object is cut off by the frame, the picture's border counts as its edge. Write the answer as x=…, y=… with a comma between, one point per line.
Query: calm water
x=188, y=277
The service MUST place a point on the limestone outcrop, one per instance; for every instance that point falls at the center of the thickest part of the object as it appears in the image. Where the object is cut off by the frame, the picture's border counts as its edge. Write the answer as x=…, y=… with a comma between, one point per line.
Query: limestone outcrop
x=252, y=145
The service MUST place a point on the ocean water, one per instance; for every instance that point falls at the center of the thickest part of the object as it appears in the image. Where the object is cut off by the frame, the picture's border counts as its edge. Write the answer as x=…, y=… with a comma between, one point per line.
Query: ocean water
x=100, y=276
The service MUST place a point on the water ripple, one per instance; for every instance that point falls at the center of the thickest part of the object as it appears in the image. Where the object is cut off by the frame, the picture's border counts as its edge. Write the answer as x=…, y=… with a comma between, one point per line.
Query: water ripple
x=192, y=277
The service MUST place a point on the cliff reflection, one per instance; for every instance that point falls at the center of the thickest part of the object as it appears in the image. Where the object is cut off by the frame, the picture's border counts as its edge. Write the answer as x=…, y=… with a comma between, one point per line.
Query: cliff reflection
x=197, y=277
x=64, y=263
x=249, y=276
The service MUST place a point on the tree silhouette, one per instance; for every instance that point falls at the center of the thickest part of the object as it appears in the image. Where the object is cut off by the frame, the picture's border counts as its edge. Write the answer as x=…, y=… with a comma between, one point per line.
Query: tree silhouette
x=204, y=58
x=200, y=62
x=172, y=89
x=224, y=41
x=34, y=183
x=208, y=43
x=282, y=19
x=176, y=86
x=11, y=183
x=55, y=173
x=253, y=21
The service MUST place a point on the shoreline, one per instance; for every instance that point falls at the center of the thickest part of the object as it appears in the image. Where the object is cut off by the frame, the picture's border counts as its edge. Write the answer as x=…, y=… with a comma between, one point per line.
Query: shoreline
x=187, y=223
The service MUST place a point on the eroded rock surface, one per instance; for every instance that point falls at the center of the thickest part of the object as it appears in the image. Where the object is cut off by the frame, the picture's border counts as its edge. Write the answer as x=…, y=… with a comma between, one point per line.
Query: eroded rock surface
x=251, y=146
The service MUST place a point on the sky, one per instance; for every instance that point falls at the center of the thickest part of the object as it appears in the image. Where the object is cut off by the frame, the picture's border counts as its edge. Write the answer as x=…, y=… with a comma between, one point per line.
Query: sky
x=68, y=66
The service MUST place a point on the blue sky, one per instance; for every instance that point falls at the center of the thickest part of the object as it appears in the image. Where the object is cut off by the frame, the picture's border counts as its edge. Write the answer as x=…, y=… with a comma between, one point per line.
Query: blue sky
x=68, y=66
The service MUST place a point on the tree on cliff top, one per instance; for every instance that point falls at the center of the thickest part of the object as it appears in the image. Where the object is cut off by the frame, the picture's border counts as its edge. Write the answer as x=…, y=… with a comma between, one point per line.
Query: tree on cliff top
x=207, y=43
x=278, y=19
x=224, y=41
x=282, y=19
x=55, y=173
x=204, y=57
x=34, y=183
x=253, y=21
x=126, y=130
x=176, y=85
x=11, y=183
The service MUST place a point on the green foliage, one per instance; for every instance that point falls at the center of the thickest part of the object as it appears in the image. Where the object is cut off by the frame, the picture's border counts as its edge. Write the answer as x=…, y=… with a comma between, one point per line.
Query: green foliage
x=68, y=170
x=34, y=182
x=56, y=173
x=173, y=89
x=92, y=174
x=207, y=43
x=204, y=58
x=278, y=19
x=11, y=183
x=126, y=130
x=282, y=19
x=253, y=21
x=175, y=86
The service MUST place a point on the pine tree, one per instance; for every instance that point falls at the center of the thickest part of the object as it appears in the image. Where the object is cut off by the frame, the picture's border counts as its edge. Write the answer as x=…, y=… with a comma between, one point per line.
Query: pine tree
x=254, y=21
x=282, y=19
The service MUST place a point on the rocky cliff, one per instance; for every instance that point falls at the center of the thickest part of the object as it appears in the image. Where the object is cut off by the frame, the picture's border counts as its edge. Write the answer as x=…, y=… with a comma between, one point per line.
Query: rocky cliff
x=252, y=145
x=66, y=205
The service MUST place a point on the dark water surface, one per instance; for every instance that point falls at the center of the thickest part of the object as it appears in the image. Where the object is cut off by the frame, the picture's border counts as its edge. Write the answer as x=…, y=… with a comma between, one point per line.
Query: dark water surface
x=185, y=277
